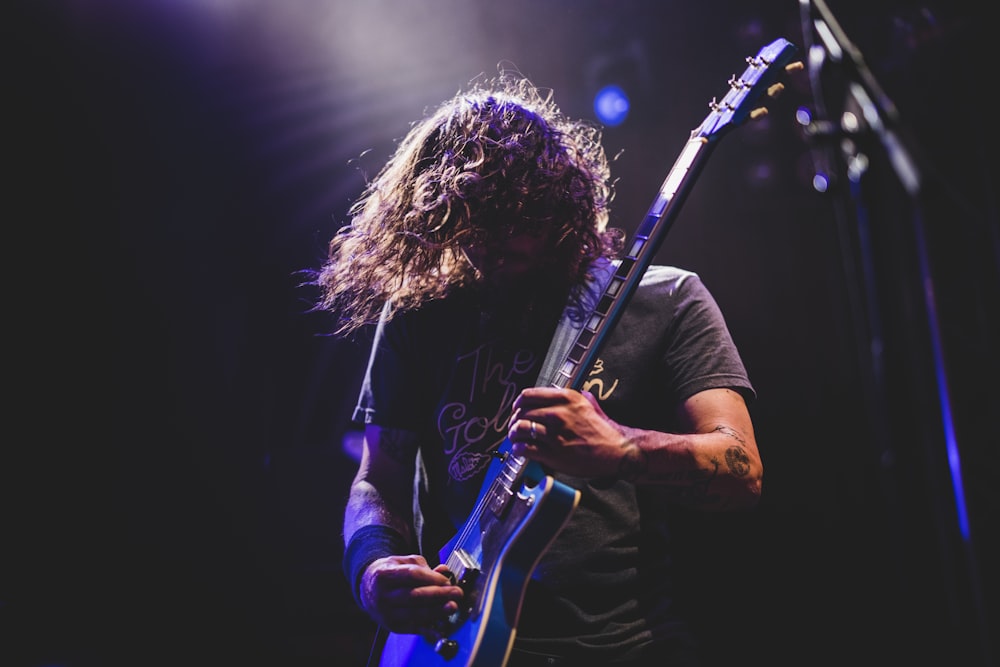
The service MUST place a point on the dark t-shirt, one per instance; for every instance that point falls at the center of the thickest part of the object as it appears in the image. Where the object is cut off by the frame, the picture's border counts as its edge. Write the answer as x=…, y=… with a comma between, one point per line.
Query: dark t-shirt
x=602, y=590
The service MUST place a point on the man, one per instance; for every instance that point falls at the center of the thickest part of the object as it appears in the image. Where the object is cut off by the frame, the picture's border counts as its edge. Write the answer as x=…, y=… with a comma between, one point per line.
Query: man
x=475, y=241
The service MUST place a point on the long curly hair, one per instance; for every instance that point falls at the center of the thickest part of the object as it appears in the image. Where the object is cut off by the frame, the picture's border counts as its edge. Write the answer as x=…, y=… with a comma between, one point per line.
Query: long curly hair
x=496, y=160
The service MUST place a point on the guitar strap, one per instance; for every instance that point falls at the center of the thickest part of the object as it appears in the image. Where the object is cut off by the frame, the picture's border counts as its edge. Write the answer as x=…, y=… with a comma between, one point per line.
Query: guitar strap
x=571, y=323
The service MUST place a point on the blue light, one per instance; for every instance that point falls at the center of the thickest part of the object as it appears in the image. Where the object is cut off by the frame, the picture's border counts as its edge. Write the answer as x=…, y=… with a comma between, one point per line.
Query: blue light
x=611, y=105
x=821, y=182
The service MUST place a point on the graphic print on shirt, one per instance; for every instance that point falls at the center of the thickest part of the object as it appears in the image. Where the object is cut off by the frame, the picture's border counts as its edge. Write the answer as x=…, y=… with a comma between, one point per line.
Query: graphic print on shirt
x=474, y=419
x=595, y=385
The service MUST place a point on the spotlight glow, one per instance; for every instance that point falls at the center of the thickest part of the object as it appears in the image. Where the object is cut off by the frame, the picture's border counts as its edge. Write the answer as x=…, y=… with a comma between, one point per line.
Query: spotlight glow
x=611, y=105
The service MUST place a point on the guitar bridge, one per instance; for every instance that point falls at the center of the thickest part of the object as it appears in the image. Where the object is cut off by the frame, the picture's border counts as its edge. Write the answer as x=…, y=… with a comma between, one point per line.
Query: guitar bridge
x=467, y=571
x=465, y=575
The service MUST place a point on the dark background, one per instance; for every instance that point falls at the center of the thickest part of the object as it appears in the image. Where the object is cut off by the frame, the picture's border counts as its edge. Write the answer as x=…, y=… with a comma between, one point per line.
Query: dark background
x=179, y=453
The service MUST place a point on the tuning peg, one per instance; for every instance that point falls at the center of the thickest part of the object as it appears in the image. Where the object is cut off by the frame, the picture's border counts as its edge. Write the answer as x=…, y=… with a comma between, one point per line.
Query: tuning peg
x=758, y=113
x=796, y=66
x=775, y=89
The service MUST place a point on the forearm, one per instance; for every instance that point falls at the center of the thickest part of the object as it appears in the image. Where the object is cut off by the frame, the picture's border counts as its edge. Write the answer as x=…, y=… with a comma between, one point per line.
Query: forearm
x=382, y=490
x=712, y=471
x=367, y=506
x=373, y=529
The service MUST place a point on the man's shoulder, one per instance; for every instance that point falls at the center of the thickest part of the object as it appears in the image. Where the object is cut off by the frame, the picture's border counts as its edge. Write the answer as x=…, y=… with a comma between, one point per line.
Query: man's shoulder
x=671, y=278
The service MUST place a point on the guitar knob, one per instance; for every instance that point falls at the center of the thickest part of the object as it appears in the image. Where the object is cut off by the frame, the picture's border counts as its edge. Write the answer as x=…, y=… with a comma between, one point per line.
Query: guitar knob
x=446, y=648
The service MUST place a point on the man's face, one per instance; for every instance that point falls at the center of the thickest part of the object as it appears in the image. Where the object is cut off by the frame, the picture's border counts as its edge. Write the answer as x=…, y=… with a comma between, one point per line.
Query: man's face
x=512, y=263
x=516, y=272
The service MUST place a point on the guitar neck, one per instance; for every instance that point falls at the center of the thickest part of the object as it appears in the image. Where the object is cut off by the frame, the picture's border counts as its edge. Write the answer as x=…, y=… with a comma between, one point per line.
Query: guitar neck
x=638, y=256
x=739, y=104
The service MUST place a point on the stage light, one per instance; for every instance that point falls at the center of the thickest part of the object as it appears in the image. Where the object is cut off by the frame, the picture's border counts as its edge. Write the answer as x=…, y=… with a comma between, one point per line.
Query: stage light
x=611, y=105
x=617, y=81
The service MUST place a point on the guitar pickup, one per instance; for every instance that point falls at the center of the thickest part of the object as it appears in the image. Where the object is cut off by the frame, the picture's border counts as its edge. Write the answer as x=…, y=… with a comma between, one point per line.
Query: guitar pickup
x=503, y=490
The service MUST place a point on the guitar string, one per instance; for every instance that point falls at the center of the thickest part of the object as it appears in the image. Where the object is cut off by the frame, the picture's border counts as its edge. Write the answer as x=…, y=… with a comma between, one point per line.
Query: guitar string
x=480, y=509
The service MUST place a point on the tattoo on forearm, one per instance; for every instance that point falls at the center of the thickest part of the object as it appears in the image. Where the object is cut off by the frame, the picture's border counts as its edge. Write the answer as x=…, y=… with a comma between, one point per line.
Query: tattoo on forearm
x=633, y=463
x=725, y=430
x=737, y=458
x=738, y=461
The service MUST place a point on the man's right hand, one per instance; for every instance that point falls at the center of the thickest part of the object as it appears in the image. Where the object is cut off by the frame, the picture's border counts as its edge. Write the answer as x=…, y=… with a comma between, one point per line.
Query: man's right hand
x=404, y=595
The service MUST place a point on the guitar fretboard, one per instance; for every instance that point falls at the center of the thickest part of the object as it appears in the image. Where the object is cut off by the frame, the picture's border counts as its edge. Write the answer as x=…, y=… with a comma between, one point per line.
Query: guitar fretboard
x=637, y=258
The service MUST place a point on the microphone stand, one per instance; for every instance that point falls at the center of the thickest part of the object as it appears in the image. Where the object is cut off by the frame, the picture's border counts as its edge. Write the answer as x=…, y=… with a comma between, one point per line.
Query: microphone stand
x=871, y=113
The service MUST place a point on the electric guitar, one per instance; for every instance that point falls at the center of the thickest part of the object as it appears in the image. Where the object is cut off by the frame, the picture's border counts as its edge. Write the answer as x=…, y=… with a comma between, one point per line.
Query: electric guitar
x=521, y=509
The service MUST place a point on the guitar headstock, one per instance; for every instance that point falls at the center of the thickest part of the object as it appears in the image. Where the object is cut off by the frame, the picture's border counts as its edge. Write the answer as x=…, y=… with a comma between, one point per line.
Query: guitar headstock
x=761, y=79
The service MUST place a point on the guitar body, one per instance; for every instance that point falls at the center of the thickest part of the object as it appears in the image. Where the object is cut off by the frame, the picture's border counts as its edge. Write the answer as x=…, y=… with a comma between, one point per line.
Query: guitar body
x=499, y=551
